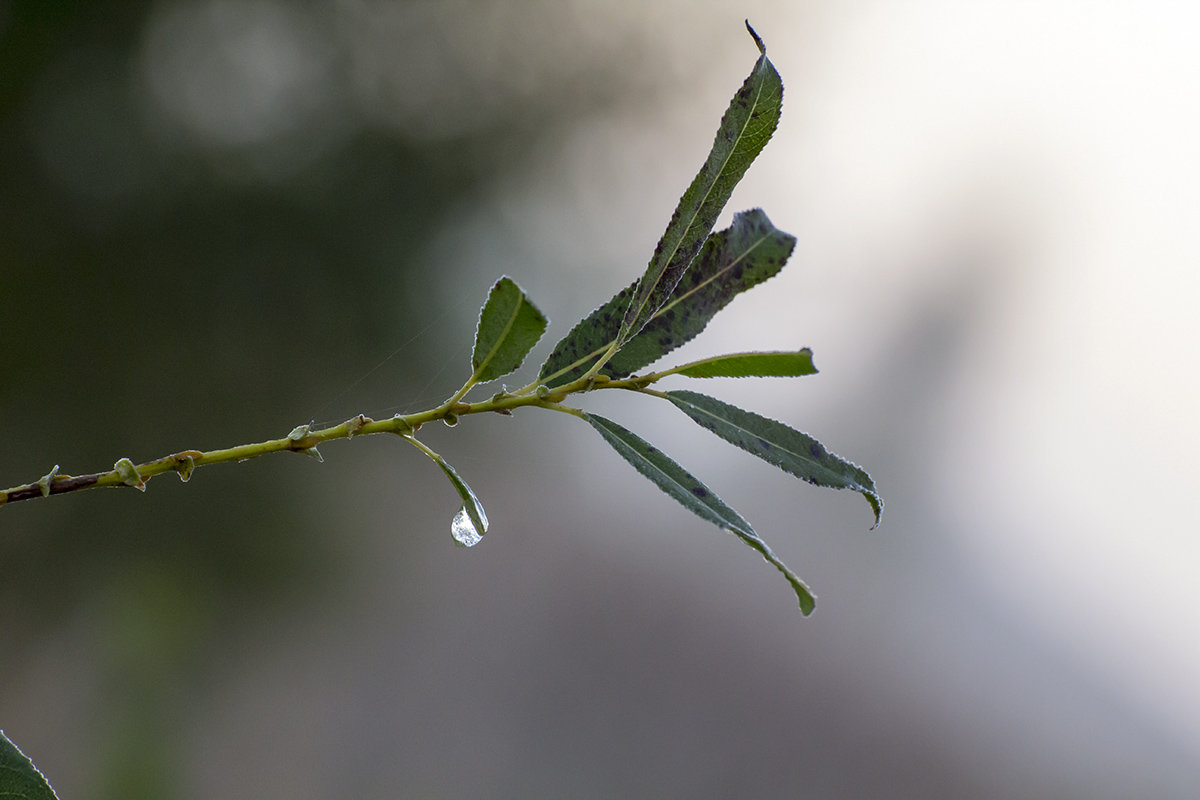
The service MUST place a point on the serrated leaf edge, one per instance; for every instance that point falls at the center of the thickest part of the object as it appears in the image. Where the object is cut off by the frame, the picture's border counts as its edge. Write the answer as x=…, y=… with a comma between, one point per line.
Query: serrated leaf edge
x=672, y=302
x=870, y=494
x=523, y=300
x=631, y=315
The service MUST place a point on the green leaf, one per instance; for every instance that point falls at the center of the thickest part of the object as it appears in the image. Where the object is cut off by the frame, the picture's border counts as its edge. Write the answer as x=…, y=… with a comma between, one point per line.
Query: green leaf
x=745, y=129
x=790, y=450
x=745, y=254
x=19, y=778
x=509, y=326
x=779, y=364
x=470, y=523
x=680, y=484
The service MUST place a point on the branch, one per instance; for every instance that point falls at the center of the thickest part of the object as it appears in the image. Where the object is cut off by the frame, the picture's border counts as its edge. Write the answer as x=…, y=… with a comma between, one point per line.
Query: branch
x=302, y=439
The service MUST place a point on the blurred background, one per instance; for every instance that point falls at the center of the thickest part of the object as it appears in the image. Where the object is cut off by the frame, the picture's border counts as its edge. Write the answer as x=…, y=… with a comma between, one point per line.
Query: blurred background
x=219, y=220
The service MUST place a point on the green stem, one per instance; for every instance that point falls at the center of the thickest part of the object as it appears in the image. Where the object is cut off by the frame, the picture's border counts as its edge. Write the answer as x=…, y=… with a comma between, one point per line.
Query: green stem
x=303, y=440
x=417, y=443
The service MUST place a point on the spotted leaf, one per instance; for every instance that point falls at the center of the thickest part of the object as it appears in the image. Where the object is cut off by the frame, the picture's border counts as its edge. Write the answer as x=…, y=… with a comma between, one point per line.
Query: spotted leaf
x=745, y=129
x=792, y=451
x=745, y=254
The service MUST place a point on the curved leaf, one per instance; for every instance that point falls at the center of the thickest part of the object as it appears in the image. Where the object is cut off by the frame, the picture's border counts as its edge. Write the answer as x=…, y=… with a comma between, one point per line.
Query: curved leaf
x=790, y=450
x=680, y=484
x=778, y=364
x=470, y=523
x=745, y=129
x=509, y=327
x=19, y=777
x=745, y=254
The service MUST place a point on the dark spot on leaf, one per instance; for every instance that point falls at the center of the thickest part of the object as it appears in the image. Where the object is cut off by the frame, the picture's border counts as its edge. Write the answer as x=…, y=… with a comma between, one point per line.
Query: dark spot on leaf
x=699, y=491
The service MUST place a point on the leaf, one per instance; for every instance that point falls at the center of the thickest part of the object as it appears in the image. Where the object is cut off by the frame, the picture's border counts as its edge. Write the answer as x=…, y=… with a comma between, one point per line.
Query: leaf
x=470, y=523
x=680, y=484
x=792, y=451
x=745, y=254
x=509, y=327
x=779, y=364
x=19, y=778
x=745, y=129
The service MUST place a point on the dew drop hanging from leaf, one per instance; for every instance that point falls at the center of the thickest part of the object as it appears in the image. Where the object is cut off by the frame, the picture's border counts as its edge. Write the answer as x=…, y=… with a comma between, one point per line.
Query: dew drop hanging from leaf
x=464, y=530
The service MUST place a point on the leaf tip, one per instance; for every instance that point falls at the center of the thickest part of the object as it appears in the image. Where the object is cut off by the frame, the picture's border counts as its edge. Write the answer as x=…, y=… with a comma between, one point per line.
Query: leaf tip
x=762, y=48
x=876, y=503
x=808, y=603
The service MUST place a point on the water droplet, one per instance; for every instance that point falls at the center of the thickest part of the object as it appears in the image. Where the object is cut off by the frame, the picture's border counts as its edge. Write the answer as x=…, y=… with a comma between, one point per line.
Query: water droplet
x=464, y=530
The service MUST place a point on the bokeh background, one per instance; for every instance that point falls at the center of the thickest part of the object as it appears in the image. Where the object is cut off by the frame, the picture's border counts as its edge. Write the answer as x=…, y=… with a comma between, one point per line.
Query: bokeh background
x=222, y=219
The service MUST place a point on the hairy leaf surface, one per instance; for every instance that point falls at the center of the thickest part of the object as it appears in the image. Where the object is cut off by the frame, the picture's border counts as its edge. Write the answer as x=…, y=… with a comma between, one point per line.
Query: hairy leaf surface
x=745, y=254
x=790, y=450
x=680, y=484
x=777, y=364
x=745, y=129
x=19, y=777
x=509, y=327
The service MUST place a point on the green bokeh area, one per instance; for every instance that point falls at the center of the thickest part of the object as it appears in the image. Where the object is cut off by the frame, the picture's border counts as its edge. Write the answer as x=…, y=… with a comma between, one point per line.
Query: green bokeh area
x=168, y=282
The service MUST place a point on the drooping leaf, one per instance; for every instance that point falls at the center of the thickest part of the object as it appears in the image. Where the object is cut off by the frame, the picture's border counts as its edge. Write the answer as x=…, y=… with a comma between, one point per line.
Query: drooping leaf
x=777, y=364
x=745, y=129
x=790, y=450
x=509, y=327
x=470, y=523
x=19, y=778
x=745, y=254
x=680, y=484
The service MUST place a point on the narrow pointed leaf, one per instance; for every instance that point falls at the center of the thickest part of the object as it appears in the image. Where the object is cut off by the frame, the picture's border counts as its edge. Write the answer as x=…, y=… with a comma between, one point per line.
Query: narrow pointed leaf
x=745, y=254
x=509, y=326
x=19, y=778
x=680, y=484
x=471, y=523
x=779, y=364
x=792, y=451
x=745, y=129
